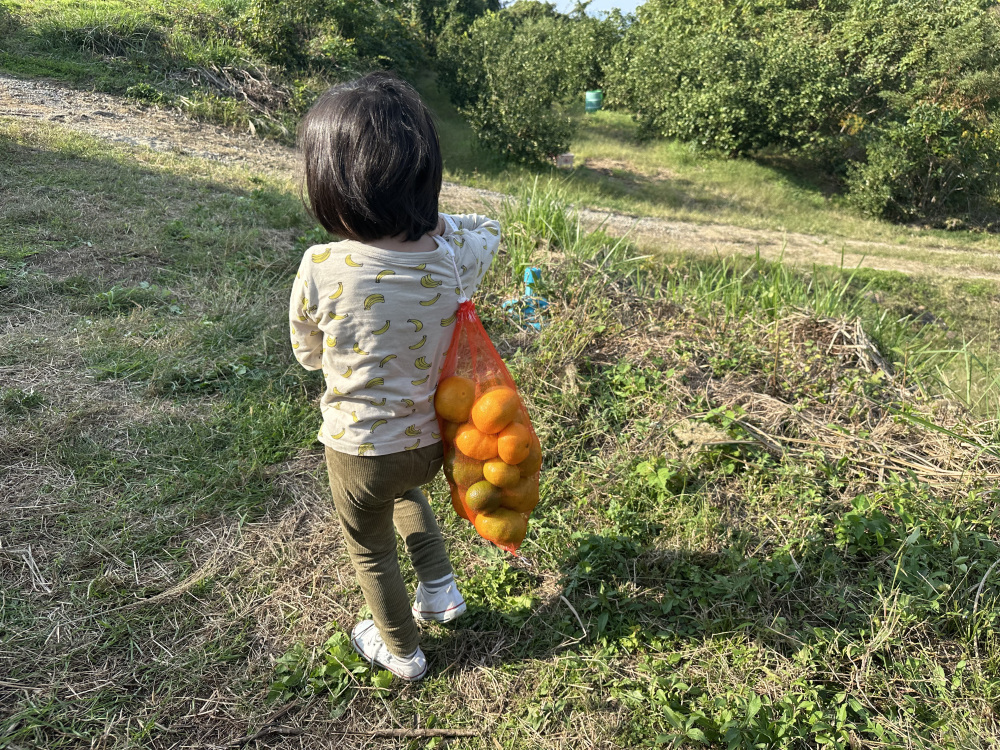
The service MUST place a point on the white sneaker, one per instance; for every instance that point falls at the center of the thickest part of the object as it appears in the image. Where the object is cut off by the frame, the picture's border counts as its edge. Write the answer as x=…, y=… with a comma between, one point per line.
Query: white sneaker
x=367, y=641
x=443, y=605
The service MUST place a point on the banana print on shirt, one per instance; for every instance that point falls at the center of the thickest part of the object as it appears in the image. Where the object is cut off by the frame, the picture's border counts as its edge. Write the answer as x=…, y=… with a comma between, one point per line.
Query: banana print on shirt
x=357, y=311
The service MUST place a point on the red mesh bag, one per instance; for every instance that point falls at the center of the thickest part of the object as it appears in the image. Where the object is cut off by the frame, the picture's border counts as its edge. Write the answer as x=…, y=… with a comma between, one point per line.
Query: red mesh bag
x=492, y=456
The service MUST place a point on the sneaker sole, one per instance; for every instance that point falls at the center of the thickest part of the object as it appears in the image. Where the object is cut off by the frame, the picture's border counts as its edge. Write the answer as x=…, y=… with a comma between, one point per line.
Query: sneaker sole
x=447, y=615
x=379, y=664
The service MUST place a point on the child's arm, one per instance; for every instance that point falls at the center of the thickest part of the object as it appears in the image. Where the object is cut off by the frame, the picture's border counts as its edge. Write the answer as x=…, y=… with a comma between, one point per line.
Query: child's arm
x=307, y=338
x=481, y=237
x=467, y=223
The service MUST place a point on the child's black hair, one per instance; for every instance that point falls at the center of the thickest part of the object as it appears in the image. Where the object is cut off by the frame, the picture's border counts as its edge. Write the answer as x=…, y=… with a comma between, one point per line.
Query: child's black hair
x=372, y=160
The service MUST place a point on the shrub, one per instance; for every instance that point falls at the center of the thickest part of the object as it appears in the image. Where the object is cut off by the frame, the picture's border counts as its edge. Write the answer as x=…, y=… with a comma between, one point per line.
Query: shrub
x=932, y=165
x=336, y=35
x=509, y=74
x=734, y=77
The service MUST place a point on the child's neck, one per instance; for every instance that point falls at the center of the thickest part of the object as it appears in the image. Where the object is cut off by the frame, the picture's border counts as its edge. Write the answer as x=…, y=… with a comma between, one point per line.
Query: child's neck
x=401, y=245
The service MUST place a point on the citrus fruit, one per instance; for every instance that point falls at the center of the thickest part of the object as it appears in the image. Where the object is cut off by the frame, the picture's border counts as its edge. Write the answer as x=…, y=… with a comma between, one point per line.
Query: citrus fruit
x=461, y=469
x=495, y=409
x=474, y=443
x=503, y=527
x=514, y=443
x=533, y=462
x=522, y=497
x=499, y=472
x=454, y=398
x=456, y=503
x=482, y=497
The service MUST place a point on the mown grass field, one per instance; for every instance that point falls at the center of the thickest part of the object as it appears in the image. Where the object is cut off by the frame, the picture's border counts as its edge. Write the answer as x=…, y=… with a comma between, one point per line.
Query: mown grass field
x=760, y=526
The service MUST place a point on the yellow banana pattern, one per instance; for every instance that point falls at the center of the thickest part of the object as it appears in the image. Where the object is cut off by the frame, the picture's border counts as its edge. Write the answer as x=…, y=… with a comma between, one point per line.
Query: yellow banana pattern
x=341, y=317
x=429, y=282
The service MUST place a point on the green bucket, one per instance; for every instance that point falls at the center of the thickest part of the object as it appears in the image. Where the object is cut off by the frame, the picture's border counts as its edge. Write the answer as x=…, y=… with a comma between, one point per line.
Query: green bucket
x=593, y=101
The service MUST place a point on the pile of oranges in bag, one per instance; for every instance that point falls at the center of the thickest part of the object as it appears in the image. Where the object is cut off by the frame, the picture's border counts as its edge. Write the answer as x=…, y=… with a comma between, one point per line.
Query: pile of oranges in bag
x=492, y=457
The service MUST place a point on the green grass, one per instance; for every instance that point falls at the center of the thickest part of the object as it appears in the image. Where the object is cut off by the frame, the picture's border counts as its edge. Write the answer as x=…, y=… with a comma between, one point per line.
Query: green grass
x=749, y=536
x=166, y=53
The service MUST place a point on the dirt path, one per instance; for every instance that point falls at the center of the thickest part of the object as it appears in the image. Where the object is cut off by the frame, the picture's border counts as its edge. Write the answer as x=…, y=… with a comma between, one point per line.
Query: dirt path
x=122, y=122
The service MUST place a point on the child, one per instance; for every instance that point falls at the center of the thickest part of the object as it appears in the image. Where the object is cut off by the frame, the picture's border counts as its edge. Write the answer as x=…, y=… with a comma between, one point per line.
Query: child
x=376, y=313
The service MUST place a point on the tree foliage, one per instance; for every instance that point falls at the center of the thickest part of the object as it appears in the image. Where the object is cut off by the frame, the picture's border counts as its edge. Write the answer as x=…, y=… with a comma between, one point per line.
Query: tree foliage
x=731, y=76
x=901, y=96
x=513, y=71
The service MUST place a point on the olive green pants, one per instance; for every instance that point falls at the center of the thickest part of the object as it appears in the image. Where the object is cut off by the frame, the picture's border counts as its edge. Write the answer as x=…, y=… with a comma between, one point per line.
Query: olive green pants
x=372, y=494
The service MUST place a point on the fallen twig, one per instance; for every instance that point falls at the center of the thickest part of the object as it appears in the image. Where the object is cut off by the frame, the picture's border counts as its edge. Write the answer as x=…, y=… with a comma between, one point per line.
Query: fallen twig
x=284, y=731
x=413, y=733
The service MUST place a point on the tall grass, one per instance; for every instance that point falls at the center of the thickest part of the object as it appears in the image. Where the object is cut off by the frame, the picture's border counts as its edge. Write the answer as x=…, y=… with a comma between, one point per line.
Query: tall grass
x=543, y=228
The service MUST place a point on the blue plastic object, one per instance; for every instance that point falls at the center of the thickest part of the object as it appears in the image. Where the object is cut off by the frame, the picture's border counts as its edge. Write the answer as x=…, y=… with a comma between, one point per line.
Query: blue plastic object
x=526, y=310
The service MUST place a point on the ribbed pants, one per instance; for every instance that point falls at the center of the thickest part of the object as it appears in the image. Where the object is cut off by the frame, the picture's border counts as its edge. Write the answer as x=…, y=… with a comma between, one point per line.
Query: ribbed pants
x=372, y=494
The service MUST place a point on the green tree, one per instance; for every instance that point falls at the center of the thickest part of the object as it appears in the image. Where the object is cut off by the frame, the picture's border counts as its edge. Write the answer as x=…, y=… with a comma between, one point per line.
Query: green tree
x=735, y=76
x=509, y=75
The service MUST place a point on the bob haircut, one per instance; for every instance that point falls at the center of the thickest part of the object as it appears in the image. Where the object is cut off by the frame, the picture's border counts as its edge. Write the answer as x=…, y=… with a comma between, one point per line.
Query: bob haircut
x=372, y=160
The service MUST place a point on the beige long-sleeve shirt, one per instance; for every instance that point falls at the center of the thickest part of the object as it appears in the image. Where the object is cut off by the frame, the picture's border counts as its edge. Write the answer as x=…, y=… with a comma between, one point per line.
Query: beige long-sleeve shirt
x=378, y=323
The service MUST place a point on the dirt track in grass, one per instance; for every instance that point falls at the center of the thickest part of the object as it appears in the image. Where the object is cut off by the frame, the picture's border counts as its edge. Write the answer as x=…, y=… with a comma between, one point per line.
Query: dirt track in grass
x=124, y=123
